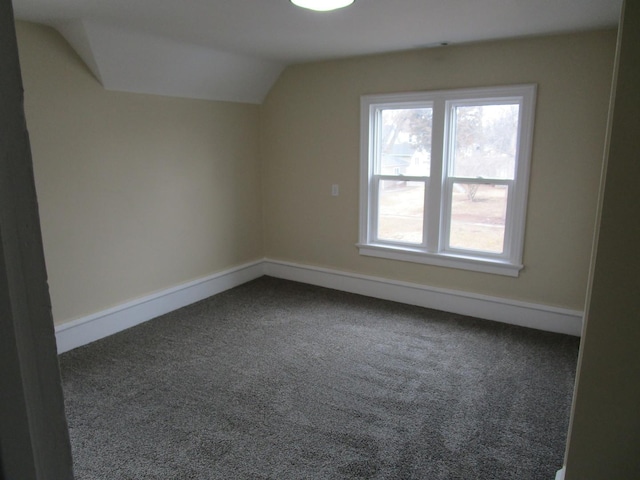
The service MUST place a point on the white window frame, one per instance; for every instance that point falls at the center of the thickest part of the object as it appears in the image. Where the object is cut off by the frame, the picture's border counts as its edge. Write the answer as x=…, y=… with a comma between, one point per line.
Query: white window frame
x=434, y=249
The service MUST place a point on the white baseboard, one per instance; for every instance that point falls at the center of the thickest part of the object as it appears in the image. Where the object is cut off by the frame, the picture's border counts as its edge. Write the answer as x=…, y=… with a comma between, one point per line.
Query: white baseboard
x=560, y=474
x=541, y=317
x=102, y=324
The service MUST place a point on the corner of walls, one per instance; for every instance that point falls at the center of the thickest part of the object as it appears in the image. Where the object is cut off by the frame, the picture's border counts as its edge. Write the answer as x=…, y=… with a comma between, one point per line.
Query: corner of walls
x=108, y=322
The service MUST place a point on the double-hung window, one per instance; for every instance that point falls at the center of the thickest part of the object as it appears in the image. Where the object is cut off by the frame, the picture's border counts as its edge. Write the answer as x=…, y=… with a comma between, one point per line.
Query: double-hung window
x=444, y=177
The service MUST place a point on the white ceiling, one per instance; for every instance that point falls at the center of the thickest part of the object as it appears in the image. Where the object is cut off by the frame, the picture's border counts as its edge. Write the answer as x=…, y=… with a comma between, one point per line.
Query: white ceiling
x=235, y=49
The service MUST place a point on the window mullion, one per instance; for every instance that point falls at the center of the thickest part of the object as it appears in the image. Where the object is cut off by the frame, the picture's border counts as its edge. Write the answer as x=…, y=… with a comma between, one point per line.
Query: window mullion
x=434, y=196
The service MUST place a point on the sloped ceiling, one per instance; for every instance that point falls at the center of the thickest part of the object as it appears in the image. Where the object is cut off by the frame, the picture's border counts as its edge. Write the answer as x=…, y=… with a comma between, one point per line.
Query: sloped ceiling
x=130, y=61
x=234, y=50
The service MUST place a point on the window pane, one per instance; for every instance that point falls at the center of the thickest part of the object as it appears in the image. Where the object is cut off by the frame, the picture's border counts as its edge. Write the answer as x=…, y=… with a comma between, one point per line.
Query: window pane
x=400, y=211
x=478, y=215
x=485, y=143
x=405, y=142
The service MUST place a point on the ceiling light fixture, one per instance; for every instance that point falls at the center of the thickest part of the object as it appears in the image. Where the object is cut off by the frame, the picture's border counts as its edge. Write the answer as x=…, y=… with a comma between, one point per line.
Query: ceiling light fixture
x=322, y=5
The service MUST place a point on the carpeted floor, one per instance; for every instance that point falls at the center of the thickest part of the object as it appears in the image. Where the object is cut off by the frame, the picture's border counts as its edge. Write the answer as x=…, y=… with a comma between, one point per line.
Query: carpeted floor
x=280, y=380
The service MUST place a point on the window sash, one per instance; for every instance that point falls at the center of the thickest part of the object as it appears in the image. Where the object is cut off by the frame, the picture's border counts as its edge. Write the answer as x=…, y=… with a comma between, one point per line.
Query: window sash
x=375, y=211
x=447, y=216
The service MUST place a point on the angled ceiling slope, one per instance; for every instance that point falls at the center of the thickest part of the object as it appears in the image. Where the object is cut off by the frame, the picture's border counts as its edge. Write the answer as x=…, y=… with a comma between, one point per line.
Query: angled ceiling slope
x=234, y=50
x=137, y=62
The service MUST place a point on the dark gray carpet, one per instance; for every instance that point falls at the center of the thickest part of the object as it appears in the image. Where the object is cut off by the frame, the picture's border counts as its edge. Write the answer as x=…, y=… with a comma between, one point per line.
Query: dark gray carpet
x=279, y=380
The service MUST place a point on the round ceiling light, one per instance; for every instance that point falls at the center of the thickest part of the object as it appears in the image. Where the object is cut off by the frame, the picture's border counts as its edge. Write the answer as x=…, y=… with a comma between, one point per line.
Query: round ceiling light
x=322, y=5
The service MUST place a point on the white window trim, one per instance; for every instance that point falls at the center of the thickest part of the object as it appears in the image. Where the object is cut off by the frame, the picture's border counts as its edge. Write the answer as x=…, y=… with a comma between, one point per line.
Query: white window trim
x=433, y=251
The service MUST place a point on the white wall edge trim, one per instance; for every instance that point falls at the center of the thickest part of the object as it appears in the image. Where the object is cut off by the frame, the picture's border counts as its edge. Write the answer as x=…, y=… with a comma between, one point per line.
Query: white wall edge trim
x=560, y=473
x=99, y=325
x=514, y=312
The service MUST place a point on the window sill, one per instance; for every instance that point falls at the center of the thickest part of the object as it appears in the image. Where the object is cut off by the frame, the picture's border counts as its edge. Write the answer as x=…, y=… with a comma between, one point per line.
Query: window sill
x=497, y=267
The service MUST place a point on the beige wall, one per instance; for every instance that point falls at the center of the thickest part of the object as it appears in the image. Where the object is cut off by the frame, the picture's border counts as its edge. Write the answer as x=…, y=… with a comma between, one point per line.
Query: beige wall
x=137, y=193
x=604, y=440
x=310, y=140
